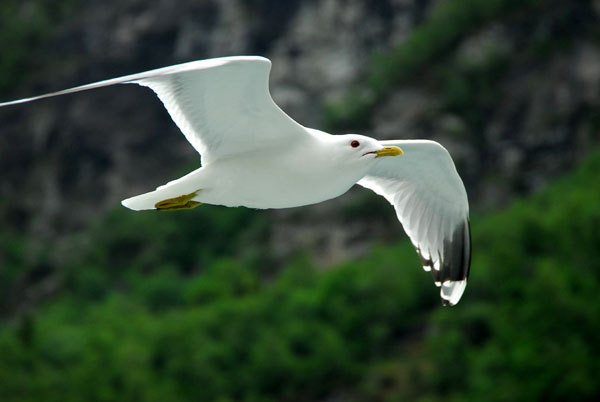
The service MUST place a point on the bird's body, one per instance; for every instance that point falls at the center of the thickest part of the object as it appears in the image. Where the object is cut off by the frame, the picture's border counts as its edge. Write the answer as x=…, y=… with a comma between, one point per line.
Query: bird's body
x=254, y=155
x=269, y=177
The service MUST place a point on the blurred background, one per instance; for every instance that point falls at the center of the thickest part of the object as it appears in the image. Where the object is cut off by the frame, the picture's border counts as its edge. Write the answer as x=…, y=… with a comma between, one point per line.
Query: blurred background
x=322, y=303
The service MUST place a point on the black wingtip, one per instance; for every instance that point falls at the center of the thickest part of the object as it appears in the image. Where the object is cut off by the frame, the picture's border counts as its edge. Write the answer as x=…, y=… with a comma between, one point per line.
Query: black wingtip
x=455, y=265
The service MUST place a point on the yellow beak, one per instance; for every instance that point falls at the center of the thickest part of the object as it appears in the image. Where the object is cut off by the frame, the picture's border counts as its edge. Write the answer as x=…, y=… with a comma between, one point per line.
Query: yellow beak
x=389, y=151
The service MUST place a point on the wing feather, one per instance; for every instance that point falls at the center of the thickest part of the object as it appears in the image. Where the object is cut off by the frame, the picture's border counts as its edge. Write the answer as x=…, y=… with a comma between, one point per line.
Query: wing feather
x=222, y=106
x=431, y=203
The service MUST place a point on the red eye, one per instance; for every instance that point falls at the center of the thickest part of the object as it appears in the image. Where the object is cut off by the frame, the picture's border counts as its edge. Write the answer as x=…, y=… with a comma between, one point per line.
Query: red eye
x=355, y=144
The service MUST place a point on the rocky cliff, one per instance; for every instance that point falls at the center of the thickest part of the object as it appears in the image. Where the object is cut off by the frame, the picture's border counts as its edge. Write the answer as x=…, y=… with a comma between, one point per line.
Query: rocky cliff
x=514, y=95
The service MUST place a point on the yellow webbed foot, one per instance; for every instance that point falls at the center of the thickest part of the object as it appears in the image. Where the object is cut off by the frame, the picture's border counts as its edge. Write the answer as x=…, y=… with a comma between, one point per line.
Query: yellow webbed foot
x=181, y=202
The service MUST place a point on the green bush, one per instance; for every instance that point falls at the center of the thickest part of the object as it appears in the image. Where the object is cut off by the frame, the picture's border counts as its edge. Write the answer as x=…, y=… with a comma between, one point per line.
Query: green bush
x=24, y=25
x=433, y=40
x=372, y=329
x=527, y=327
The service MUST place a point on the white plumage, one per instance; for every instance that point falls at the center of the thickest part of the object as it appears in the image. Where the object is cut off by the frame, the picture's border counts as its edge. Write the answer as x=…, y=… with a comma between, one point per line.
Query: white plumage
x=431, y=203
x=254, y=155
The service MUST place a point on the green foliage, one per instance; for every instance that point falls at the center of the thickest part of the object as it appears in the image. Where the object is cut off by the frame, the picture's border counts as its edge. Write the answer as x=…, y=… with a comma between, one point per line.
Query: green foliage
x=469, y=90
x=306, y=334
x=23, y=25
x=155, y=254
x=149, y=330
x=433, y=40
x=21, y=261
x=527, y=327
x=168, y=306
x=449, y=23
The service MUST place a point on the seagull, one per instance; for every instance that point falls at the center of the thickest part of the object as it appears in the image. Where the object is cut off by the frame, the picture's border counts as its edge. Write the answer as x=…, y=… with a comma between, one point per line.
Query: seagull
x=256, y=156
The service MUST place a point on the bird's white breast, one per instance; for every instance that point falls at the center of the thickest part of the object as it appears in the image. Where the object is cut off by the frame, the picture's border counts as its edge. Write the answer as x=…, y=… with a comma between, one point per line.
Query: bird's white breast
x=276, y=178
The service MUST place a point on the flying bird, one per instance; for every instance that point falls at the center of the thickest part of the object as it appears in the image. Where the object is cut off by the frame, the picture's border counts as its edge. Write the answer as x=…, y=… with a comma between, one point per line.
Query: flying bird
x=254, y=155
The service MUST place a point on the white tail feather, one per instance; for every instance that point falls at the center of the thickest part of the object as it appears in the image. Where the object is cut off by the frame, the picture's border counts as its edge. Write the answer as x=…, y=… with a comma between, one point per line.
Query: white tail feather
x=187, y=184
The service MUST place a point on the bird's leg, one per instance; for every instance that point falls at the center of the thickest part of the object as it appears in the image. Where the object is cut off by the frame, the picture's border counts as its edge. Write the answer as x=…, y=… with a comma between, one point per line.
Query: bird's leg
x=181, y=202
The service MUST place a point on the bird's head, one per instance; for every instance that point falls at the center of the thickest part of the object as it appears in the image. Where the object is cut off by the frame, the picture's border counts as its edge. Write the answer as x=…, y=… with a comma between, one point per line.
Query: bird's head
x=360, y=149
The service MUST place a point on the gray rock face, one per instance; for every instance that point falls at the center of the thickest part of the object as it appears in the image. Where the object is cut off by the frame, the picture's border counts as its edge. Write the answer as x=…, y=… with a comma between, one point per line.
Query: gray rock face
x=67, y=160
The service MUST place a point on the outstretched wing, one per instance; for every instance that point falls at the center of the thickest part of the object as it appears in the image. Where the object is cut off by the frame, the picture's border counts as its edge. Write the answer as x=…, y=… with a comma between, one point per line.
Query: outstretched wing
x=431, y=203
x=222, y=106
